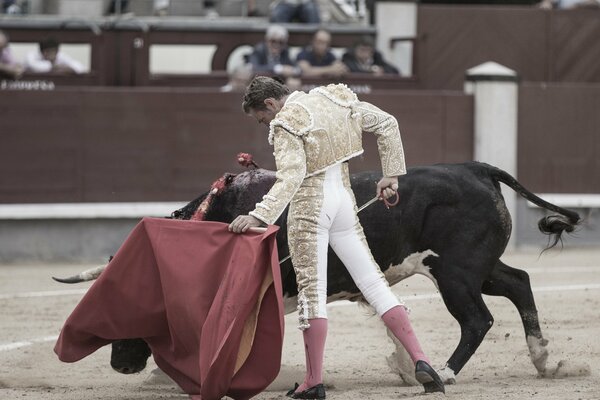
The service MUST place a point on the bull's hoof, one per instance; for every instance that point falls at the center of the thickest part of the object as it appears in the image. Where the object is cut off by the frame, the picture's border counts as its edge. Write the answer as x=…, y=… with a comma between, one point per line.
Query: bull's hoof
x=315, y=392
x=428, y=378
x=447, y=376
x=538, y=352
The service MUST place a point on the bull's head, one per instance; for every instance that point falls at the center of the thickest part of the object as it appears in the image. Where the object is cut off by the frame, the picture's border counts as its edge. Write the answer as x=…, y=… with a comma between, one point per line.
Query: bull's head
x=234, y=197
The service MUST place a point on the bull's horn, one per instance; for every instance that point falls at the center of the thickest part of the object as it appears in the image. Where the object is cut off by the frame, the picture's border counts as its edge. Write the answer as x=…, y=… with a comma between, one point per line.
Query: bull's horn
x=87, y=275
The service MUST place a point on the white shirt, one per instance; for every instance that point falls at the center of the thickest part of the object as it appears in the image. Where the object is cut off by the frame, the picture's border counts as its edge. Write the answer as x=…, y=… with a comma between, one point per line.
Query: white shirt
x=36, y=63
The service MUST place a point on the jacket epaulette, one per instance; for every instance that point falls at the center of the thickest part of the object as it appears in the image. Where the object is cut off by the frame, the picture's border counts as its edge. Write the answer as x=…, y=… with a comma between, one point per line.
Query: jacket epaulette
x=294, y=118
x=338, y=93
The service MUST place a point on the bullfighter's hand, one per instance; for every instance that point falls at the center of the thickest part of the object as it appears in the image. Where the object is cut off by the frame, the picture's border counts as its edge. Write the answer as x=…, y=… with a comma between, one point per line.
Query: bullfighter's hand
x=244, y=222
x=387, y=187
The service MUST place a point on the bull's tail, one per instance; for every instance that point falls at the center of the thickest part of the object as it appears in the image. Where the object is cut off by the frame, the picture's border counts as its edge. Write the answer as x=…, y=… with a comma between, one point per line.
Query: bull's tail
x=552, y=225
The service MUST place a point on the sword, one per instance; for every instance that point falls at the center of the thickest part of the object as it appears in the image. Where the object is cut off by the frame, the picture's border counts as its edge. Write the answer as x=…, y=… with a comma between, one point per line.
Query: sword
x=367, y=204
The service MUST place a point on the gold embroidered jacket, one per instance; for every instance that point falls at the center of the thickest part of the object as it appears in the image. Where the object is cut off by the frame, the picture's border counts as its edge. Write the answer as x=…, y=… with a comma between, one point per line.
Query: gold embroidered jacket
x=316, y=130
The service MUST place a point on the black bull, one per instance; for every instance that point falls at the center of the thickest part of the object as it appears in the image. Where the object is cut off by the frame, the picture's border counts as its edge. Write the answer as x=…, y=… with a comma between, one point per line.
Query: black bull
x=456, y=211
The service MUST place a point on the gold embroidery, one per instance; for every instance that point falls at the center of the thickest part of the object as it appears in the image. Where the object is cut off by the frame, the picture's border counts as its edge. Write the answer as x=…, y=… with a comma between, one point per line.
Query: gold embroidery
x=303, y=219
x=291, y=170
x=385, y=127
x=331, y=120
x=338, y=93
x=294, y=117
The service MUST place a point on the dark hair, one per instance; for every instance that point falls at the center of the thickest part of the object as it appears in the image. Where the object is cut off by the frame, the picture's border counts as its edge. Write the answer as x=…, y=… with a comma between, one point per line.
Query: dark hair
x=321, y=30
x=364, y=41
x=49, y=43
x=260, y=89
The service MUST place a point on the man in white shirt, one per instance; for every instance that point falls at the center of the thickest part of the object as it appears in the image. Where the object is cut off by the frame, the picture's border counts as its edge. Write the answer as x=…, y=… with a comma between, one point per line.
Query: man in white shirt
x=9, y=67
x=568, y=4
x=49, y=59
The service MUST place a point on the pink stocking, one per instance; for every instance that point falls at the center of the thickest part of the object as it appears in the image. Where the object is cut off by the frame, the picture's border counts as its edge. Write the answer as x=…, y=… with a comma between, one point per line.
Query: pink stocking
x=396, y=319
x=314, y=349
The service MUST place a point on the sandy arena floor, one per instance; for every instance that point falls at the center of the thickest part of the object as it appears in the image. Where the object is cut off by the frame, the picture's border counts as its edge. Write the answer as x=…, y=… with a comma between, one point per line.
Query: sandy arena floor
x=566, y=287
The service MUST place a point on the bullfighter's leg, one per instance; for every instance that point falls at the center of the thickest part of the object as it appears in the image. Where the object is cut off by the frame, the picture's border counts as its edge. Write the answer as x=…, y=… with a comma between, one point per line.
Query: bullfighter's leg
x=349, y=243
x=514, y=284
x=308, y=237
x=466, y=305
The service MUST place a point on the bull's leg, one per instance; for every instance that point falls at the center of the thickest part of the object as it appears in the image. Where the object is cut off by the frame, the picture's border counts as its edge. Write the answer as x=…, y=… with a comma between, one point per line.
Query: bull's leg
x=514, y=284
x=463, y=300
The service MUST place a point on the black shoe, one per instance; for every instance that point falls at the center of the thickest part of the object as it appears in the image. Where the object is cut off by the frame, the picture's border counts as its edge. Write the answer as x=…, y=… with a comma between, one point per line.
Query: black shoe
x=315, y=392
x=428, y=377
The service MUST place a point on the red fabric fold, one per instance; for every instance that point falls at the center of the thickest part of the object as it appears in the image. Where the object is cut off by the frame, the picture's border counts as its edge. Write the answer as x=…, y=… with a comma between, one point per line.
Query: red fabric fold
x=187, y=288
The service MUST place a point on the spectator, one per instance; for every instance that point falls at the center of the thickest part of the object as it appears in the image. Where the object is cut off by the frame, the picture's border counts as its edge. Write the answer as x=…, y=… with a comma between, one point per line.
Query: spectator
x=9, y=68
x=49, y=59
x=272, y=56
x=161, y=7
x=15, y=7
x=305, y=11
x=238, y=80
x=118, y=7
x=317, y=60
x=210, y=9
x=252, y=9
x=569, y=4
x=364, y=58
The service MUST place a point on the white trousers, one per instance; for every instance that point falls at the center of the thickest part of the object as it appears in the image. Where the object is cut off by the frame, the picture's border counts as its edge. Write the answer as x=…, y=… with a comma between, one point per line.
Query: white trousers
x=338, y=225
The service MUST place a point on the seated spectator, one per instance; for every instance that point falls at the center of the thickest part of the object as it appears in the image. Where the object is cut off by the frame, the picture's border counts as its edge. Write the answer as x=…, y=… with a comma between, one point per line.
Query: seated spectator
x=305, y=11
x=15, y=7
x=364, y=58
x=9, y=68
x=210, y=9
x=252, y=9
x=272, y=56
x=239, y=79
x=160, y=7
x=317, y=60
x=118, y=7
x=49, y=59
x=568, y=4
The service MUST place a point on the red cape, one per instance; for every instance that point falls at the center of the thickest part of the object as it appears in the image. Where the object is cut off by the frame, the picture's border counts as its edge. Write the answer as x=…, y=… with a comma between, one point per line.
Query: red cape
x=207, y=301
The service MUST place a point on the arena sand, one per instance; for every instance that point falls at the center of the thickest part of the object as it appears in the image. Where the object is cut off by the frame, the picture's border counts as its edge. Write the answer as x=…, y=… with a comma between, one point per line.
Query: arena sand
x=566, y=288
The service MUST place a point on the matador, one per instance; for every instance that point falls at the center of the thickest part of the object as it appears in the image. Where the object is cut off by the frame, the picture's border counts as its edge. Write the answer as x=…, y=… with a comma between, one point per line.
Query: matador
x=313, y=135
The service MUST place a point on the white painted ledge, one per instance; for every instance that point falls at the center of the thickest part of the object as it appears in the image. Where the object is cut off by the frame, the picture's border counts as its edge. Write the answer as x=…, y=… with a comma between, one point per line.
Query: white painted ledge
x=571, y=200
x=87, y=210
x=163, y=209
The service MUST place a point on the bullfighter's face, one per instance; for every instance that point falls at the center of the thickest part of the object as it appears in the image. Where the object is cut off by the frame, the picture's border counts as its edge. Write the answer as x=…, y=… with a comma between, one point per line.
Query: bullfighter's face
x=272, y=107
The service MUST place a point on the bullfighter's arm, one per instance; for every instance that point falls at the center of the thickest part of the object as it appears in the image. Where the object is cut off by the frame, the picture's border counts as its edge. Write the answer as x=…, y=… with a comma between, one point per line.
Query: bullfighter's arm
x=291, y=170
x=385, y=127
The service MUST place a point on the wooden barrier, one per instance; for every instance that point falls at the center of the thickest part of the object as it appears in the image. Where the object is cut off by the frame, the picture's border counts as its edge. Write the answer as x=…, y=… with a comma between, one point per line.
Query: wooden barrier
x=167, y=144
